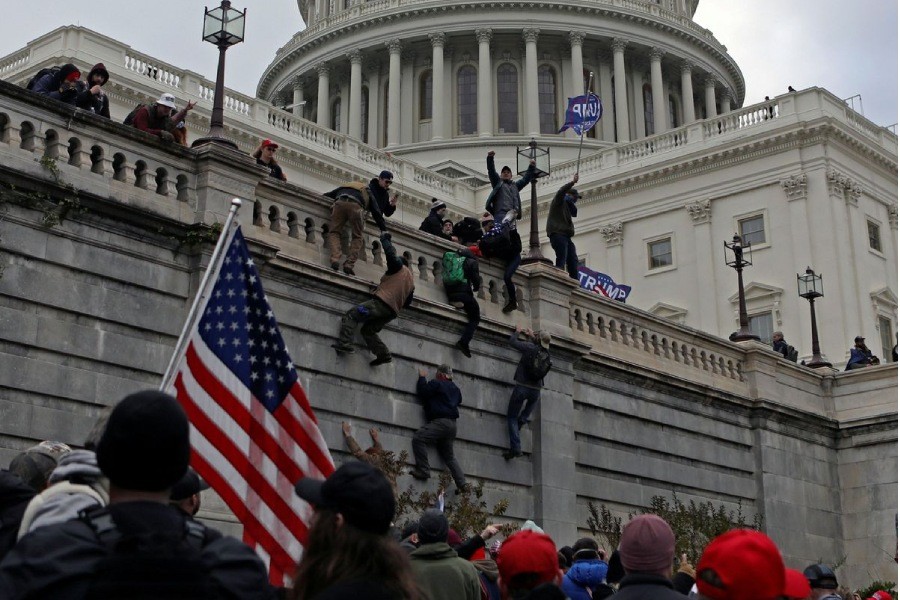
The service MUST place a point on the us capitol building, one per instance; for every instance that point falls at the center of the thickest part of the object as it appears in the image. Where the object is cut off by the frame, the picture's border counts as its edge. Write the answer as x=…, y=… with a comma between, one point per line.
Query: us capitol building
x=679, y=162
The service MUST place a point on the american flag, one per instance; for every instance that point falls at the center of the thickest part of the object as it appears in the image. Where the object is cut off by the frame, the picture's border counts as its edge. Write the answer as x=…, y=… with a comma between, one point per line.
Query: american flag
x=253, y=433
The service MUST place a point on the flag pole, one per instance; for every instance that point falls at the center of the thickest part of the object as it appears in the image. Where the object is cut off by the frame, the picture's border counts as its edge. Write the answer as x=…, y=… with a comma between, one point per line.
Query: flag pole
x=201, y=292
x=583, y=108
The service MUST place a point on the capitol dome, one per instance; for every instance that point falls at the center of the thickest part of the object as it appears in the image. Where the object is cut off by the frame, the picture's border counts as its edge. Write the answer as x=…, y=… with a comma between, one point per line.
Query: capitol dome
x=430, y=80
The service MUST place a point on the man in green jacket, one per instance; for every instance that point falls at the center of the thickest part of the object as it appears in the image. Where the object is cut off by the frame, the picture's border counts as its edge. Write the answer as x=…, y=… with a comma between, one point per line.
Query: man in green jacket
x=438, y=570
x=560, y=228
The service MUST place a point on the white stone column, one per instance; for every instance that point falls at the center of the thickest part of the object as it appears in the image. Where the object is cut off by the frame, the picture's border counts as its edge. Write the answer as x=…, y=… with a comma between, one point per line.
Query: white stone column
x=687, y=93
x=532, y=107
x=485, y=83
x=393, y=124
x=659, y=95
x=710, y=97
x=298, y=97
x=323, y=113
x=604, y=80
x=576, y=39
x=373, y=69
x=726, y=102
x=618, y=46
x=437, y=85
x=707, y=316
x=354, y=126
x=637, y=84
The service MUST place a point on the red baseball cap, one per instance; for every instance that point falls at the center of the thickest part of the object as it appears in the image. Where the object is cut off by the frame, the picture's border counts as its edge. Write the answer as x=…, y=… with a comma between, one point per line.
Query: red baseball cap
x=267, y=143
x=796, y=585
x=528, y=552
x=880, y=595
x=741, y=564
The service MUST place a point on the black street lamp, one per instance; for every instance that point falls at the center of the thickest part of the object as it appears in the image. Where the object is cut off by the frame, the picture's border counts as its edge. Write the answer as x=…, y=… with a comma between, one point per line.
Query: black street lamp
x=742, y=258
x=224, y=27
x=541, y=158
x=809, y=286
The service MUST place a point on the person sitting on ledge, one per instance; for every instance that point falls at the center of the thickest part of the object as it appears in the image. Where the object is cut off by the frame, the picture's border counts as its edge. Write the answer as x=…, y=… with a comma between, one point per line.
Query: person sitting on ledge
x=157, y=119
x=860, y=355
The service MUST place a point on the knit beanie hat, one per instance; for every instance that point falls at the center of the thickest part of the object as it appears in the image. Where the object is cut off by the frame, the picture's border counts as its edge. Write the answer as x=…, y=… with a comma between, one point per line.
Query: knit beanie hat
x=145, y=445
x=433, y=527
x=437, y=205
x=647, y=545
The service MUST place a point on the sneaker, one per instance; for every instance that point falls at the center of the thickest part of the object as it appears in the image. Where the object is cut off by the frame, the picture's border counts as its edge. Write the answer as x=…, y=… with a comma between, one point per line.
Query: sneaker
x=510, y=306
x=419, y=474
x=349, y=270
x=511, y=454
x=342, y=349
x=464, y=349
x=335, y=266
x=380, y=360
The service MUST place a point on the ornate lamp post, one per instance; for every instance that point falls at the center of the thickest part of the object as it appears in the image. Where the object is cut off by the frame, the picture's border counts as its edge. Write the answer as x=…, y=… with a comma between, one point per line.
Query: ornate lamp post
x=809, y=286
x=541, y=158
x=741, y=259
x=224, y=27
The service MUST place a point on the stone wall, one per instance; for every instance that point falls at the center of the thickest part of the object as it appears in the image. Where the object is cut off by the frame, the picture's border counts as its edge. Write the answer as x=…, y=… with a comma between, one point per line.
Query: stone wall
x=635, y=406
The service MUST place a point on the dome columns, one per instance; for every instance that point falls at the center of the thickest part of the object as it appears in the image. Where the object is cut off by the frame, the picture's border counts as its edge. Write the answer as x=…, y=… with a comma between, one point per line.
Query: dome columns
x=485, y=106
x=354, y=127
x=393, y=124
x=437, y=85
x=323, y=106
x=656, y=87
x=532, y=115
x=621, y=89
x=687, y=92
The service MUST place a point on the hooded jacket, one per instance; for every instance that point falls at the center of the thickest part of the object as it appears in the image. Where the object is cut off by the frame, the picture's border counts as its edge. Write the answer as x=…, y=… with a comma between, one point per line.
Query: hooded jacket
x=444, y=575
x=97, y=104
x=434, y=224
x=585, y=573
x=559, y=217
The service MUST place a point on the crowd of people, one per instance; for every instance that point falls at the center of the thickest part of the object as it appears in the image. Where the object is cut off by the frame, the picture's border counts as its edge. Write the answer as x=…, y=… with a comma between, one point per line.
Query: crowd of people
x=117, y=520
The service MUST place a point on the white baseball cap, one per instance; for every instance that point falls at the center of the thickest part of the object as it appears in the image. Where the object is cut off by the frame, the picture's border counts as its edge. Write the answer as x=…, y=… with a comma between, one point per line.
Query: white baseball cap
x=167, y=100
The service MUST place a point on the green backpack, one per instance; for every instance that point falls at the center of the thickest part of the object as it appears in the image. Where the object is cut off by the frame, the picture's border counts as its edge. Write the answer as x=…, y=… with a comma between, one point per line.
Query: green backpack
x=452, y=271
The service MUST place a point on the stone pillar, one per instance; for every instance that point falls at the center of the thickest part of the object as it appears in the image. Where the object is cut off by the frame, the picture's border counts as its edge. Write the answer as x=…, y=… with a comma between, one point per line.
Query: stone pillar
x=437, y=85
x=710, y=97
x=704, y=250
x=687, y=93
x=659, y=95
x=393, y=124
x=637, y=84
x=354, y=124
x=726, y=102
x=576, y=39
x=485, y=84
x=374, y=73
x=604, y=80
x=298, y=97
x=532, y=114
x=323, y=112
x=621, y=88
x=614, y=235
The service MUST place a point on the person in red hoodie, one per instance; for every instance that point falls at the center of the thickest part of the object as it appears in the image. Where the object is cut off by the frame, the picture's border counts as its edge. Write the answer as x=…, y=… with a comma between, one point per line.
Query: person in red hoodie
x=157, y=119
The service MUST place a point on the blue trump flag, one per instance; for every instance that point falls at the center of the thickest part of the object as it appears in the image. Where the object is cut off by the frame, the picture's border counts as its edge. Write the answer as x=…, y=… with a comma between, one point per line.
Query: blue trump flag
x=602, y=284
x=582, y=113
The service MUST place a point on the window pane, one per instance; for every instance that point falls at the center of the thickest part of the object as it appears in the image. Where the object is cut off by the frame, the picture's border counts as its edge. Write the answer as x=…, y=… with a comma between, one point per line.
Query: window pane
x=660, y=253
x=761, y=325
x=874, y=236
x=753, y=230
x=466, y=83
x=425, y=96
x=649, y=126
x=508, y=99
x=887, y=338
x=336, y=115
x=547, y=99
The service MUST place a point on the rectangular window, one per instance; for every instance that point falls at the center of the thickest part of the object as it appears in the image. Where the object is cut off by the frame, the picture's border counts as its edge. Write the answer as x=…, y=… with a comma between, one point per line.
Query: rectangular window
x=874, y=235
x=761, y=325
x=887, y=338
x=660, y=253
x=753, y=230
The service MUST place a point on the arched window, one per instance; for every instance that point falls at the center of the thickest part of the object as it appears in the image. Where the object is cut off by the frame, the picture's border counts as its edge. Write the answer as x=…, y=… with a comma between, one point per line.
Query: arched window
x=364, y=116
x=425, y=95
x=507, y=99
x=336, y=115
x=649, y=125
x=467, y=99
x=547, y=99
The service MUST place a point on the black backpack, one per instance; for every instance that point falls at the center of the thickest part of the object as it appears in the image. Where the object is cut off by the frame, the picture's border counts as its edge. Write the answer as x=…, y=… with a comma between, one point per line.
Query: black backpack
x=538, y=363
x=791, y=353
x=149, y=565
x=129, y=118
x=31, y=82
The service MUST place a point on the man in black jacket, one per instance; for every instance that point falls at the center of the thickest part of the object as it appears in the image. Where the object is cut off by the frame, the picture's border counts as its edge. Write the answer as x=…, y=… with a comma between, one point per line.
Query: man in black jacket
x=560, y=228
x=527, y=392
x=434, y=222
x=441, y=399
x=91, y=97
x=461, y=281
x=378, y=189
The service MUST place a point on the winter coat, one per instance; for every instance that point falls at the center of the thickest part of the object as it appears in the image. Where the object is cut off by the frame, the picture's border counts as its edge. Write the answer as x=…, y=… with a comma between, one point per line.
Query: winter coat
x=75, y=484
x=397, y=284
x=434, y=224
x=527, y=349
x=504, y=196
x=97, y=104
x=49, y=85
x=488, y=575
x=443, y=575
x=644, y=586
x=147, y=119
x=381, y=197
x=584, y=574
x=470, y=270
x=440, y=397
x=559, y=217
x=15, y=495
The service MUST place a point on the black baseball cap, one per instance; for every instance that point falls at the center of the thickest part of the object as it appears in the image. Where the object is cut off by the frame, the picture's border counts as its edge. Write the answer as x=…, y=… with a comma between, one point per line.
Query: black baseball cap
x=358, y=491
x=188, y=485
x=820, y=576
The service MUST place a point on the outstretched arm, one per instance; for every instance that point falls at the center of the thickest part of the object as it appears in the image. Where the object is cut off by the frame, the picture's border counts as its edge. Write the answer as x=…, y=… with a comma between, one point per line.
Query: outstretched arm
x=390, y=253
x=529, y=175
x=492, y=170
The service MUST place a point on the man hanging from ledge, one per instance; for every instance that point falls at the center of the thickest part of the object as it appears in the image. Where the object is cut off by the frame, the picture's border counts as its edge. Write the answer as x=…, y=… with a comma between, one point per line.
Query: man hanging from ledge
x=394, y=293
x=351, y=201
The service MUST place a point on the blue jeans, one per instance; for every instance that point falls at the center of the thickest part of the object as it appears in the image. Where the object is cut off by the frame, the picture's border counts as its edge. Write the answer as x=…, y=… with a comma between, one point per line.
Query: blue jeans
x=517, y=416
x=566, y=255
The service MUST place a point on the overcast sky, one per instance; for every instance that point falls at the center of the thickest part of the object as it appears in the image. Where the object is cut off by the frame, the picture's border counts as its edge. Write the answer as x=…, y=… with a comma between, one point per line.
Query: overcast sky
x=847, y=47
